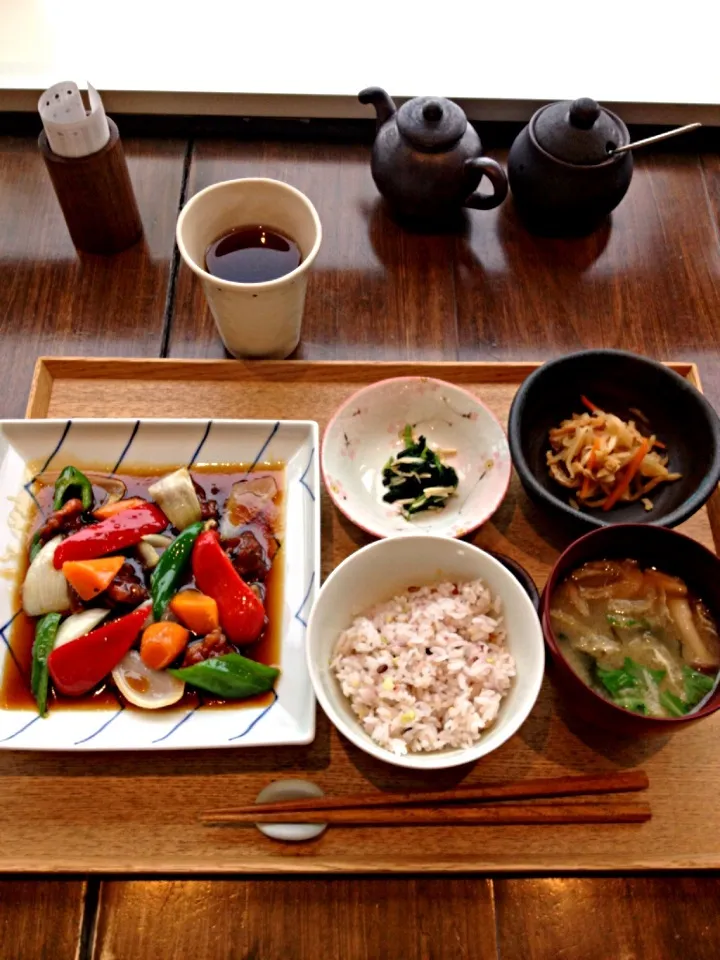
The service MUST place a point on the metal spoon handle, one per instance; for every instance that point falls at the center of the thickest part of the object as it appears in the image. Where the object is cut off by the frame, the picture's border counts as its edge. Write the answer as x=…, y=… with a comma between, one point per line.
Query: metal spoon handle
x=656, y=139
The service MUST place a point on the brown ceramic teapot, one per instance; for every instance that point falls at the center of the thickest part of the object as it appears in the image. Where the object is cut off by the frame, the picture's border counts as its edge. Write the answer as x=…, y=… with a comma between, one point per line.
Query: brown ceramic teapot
x=426, y=158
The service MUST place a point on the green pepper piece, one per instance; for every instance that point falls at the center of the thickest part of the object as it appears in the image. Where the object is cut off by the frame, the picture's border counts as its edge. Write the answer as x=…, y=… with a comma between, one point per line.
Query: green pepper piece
x=45, y=633
x=69, y=480
x=230, y=676
x=35, y=546
x=166, y=575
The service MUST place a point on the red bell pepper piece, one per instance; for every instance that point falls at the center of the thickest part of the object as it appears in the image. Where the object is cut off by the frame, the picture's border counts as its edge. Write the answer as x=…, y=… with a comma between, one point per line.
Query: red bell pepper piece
x=80, y=665
x=116, y=533
x=242, y=615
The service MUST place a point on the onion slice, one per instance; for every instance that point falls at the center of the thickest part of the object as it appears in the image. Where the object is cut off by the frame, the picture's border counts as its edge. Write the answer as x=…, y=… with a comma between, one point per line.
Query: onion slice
x=78, y=625
x=176, y=497
x=248, y=499
x=45, y=589
x=144, y=687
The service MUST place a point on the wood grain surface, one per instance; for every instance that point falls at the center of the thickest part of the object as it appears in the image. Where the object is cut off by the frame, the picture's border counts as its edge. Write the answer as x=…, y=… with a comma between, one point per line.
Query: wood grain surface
x=550, y=743
x=53, y=300
x=260, y=919
x=40, y=919
x=649, y=284
x=642, y=918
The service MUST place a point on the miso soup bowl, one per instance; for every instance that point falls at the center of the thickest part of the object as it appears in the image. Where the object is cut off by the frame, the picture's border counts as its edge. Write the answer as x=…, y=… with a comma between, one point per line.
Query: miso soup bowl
x=660, y=547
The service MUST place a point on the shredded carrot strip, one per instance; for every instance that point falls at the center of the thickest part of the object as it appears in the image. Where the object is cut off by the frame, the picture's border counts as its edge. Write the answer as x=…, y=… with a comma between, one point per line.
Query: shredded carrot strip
x=659, y=443
x=632, y=469
x=590, y=405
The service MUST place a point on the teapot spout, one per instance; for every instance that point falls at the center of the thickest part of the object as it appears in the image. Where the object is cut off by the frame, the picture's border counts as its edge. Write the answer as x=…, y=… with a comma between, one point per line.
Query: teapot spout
x=382, y=101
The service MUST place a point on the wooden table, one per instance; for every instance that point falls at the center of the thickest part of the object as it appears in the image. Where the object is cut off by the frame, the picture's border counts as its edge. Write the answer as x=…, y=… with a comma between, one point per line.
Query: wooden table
x=651, y=283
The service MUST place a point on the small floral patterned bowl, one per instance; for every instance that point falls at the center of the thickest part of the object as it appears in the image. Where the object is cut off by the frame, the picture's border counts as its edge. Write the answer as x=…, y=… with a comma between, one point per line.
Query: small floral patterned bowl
x=367, y=430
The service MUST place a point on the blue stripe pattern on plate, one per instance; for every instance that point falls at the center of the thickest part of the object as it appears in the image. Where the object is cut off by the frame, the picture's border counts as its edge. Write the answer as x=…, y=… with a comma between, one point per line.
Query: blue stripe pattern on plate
x=55, y=452
x=199, y=447
x=21, y=730
x=305, y=473
x=100, y=729
x=126, y=447
x=264, y=447
x=177, y=726
x=257, y=719
x=298, y=613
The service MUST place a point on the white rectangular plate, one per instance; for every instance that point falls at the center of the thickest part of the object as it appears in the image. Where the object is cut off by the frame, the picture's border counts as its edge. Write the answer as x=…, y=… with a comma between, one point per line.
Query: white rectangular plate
x=28, y=447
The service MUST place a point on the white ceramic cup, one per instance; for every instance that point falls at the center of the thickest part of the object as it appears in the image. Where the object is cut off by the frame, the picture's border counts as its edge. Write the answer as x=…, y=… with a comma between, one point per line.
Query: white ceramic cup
x=253, y=319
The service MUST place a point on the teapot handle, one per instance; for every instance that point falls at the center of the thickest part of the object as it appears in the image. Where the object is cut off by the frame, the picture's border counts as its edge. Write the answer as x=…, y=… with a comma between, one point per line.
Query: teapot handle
x=479, y=167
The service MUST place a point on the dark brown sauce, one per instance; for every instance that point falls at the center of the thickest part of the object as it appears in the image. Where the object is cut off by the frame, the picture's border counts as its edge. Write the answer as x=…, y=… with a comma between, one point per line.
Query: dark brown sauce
x=216, y=481
x=252, y=255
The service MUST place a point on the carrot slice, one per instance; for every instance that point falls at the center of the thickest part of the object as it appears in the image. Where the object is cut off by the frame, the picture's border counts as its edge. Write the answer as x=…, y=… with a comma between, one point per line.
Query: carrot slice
x=196, y=610
x=111, y=509
x=593, y=407
x=88, y=578
x=161, y=643
x=630, y=471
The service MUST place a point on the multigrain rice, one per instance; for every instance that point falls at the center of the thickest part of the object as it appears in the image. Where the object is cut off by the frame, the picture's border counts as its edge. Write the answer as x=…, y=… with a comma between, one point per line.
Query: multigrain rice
x=428, y=669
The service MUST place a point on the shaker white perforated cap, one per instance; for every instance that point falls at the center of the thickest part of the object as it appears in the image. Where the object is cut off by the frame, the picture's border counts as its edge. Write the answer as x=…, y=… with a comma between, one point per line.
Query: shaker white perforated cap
x=73, y=131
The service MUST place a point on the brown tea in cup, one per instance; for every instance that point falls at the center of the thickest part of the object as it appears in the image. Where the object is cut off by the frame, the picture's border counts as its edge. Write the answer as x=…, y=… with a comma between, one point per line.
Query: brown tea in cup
x=252, y=254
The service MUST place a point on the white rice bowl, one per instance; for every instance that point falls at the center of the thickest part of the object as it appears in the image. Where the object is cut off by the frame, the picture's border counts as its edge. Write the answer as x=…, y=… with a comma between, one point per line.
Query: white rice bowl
x=427, y=670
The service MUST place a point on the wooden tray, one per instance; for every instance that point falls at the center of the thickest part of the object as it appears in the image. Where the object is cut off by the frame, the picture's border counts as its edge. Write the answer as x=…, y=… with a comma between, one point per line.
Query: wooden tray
x=137, y=813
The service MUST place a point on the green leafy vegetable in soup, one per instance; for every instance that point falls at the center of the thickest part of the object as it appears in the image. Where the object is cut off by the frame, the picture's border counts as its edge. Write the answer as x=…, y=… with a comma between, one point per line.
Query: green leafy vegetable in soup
x=637, y=637
x=416, y=478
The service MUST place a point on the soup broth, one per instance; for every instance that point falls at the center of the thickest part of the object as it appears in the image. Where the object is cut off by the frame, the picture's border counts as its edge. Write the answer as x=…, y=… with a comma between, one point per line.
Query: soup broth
x=638, y=637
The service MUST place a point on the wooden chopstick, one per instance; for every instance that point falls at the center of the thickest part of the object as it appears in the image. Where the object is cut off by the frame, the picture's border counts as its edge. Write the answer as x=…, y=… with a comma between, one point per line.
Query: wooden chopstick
x=622, y=782
x=505, y=813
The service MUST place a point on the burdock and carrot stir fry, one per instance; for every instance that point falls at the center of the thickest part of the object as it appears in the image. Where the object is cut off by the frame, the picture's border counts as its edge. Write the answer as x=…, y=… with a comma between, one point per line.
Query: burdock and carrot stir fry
x=147, y=593
x=605, y=460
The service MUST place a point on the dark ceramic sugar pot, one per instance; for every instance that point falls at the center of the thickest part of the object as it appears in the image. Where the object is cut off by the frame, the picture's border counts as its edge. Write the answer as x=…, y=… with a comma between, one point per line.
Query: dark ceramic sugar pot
x=564, y=177
x=426, y=158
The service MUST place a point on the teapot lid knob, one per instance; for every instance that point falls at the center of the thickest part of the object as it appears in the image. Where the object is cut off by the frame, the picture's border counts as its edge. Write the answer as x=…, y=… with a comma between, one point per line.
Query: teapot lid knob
x=584, y=112
x=432, y=111
x=431, y=124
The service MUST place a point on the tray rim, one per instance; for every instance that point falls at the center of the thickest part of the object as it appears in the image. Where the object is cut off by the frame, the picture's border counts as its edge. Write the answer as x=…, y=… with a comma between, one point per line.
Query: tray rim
x=49, y=368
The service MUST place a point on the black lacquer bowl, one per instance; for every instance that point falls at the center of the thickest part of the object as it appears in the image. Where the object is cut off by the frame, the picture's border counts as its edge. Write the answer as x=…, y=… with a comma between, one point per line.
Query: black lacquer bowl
x=616, y=381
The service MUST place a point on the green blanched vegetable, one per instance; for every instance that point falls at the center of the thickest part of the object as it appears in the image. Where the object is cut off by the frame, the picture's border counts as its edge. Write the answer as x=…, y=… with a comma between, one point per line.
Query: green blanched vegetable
x=170, y=567
x=416, y=478
x=633, y=687
x=72, y=482
x=231, y=676
x=45, y=633
x=697, y=686
x=637, y=688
